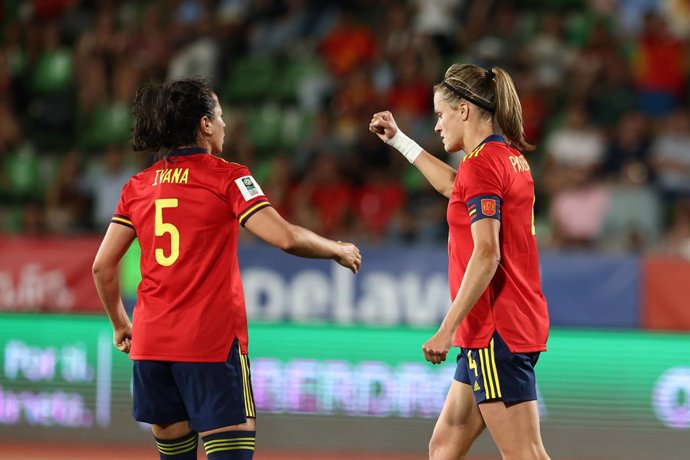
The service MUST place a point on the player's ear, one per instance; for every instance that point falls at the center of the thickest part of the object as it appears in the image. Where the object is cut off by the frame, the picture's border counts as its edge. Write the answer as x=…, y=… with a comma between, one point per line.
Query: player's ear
x=205, y=125
x=463, y=110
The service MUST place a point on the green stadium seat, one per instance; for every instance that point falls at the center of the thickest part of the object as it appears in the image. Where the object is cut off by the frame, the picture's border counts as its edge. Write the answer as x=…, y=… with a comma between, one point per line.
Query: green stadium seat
x=107, y=125
x=261, y=171
x=11, y=220
x=412, y=180
x=264, y=127
x=250, y=79
x=286, y=88
x=53, y=72
x=296, y=126
x=23, y=173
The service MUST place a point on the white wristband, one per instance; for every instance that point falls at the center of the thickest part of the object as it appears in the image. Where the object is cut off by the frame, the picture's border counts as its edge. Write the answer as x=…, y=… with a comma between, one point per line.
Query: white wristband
x=403, y=144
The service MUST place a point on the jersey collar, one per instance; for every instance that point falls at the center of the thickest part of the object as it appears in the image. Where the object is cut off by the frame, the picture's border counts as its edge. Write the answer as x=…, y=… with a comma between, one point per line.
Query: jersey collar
x=187, y=151
x=492, y=138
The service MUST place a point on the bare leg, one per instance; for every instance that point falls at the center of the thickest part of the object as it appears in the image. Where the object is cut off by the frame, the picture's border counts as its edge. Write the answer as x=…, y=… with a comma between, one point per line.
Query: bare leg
x=172, y=431
x=515, y=429
x=458, y=425
x=250, y=425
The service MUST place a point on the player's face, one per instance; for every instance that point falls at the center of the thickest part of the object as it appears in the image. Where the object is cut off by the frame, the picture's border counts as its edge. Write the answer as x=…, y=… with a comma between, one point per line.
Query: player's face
x=218, y=136
x=448, y=125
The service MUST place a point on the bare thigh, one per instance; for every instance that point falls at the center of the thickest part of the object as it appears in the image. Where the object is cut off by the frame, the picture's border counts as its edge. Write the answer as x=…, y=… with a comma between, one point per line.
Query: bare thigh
x=515, y=429
x=458, y=425
x=249, y=425
x=179, y=429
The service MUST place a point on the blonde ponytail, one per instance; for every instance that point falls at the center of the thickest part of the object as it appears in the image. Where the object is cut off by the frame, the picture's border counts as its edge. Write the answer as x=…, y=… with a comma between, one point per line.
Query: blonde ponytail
x=509, y=110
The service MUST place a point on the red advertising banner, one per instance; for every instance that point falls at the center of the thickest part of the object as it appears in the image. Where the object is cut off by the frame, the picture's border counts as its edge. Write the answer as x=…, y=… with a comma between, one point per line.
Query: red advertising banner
x=48, y=274
x=666, y=293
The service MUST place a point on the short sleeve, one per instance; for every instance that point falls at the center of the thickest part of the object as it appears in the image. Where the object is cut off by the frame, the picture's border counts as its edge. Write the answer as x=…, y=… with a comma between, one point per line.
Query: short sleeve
x=122, y=215
x=245, y=195
x=479, y=177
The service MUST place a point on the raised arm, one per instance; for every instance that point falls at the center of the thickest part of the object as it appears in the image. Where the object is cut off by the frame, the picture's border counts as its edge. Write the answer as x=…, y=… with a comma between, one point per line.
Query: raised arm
x=439, y=174
x=268, y=225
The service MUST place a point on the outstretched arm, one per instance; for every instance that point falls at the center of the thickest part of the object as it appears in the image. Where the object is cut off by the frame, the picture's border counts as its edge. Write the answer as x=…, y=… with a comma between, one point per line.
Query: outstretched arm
x=440, y=175
x=117, y=240
x=268, y=225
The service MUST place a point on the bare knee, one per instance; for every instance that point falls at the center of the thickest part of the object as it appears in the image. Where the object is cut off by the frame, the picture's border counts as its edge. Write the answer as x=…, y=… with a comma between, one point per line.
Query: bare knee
x=531, y=451
x=171, y=430
x=449, y=447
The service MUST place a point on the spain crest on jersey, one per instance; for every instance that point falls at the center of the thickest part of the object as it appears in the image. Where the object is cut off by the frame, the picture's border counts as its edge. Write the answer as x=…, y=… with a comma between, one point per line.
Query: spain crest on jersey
x=489, y=207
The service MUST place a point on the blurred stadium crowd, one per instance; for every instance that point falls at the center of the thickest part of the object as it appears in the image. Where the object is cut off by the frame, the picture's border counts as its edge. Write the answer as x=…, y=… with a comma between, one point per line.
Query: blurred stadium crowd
x=604, y=87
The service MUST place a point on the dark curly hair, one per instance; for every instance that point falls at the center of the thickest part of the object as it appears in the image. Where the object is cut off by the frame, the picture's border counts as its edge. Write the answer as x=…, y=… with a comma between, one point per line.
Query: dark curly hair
x=166, y=115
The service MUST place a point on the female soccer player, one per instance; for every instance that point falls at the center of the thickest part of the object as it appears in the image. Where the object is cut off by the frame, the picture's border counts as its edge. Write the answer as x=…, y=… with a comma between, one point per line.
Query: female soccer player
x=189, y=339
x=498, y=315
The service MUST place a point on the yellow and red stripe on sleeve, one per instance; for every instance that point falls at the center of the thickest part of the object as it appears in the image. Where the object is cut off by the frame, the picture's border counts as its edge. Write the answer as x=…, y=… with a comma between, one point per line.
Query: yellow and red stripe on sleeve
x=483, y=206
x=122, y=220
x=247, y=213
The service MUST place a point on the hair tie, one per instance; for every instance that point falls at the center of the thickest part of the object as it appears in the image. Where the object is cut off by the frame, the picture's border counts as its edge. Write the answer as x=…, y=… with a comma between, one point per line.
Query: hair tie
x=490, y=73
x=469, y=97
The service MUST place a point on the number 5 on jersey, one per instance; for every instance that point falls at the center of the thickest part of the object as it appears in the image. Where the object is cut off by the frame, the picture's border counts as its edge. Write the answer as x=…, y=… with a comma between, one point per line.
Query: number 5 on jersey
x=161, y=228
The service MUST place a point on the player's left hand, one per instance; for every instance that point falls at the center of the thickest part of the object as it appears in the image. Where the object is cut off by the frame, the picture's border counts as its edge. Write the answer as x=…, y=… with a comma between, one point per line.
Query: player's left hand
x=436, y=348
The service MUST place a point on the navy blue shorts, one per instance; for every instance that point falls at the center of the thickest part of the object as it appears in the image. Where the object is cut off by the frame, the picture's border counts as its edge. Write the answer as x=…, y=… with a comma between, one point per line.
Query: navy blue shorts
x=495, y=373
x=209, y=395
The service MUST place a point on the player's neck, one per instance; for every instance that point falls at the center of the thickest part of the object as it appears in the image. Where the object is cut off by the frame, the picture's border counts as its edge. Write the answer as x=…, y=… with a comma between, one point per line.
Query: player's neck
x=476, y=136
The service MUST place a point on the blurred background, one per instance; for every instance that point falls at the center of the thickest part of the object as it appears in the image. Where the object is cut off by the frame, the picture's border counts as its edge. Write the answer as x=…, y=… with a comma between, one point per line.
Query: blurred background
x=336, y=359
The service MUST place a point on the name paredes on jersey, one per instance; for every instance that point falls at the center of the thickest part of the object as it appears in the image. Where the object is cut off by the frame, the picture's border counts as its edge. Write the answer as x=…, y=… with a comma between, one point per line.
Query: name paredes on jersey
x=171, y=176
x=519, y=163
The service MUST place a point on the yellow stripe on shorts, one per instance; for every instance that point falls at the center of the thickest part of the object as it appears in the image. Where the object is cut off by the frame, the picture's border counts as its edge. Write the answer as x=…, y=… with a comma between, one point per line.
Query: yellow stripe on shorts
x=488, y=386
x=249, y=408
x=493, y=365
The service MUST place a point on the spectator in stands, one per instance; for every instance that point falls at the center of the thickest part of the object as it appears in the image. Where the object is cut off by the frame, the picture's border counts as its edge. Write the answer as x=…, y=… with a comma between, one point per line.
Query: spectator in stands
x=627, y=154
x=659, y=66
x=678, y=238
x=422, y=220
x=103, y=182
x=323, y=199
x=377, y=203
x=66, y=204
x=348, y=45
x=200, y=53
x=671, y=156
x=409, y=95
x=280, y=186
x=574, y=154
x=633, y=216
x=548, y=54
x=437, y=20
x=10, y=131
x=613, y=93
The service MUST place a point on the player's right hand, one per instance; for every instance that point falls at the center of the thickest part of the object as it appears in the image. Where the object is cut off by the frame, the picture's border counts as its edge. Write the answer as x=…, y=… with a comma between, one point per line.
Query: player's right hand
x=383, y=125
x=122, y=338
x=349, y=256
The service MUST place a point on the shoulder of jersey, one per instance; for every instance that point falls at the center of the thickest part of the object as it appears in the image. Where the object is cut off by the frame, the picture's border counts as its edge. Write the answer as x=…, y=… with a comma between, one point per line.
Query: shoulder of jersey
x=140, y=175
x=223, y=164
x=484, y=150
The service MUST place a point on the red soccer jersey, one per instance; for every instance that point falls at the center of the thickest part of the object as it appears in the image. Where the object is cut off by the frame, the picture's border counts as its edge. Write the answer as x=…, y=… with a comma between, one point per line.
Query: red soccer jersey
x=185, y=211
x=513, y=303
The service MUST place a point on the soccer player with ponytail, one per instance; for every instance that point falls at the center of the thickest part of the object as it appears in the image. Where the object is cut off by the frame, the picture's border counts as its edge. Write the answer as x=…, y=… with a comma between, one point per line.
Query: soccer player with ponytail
x=498, y=315
x=189, y=340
